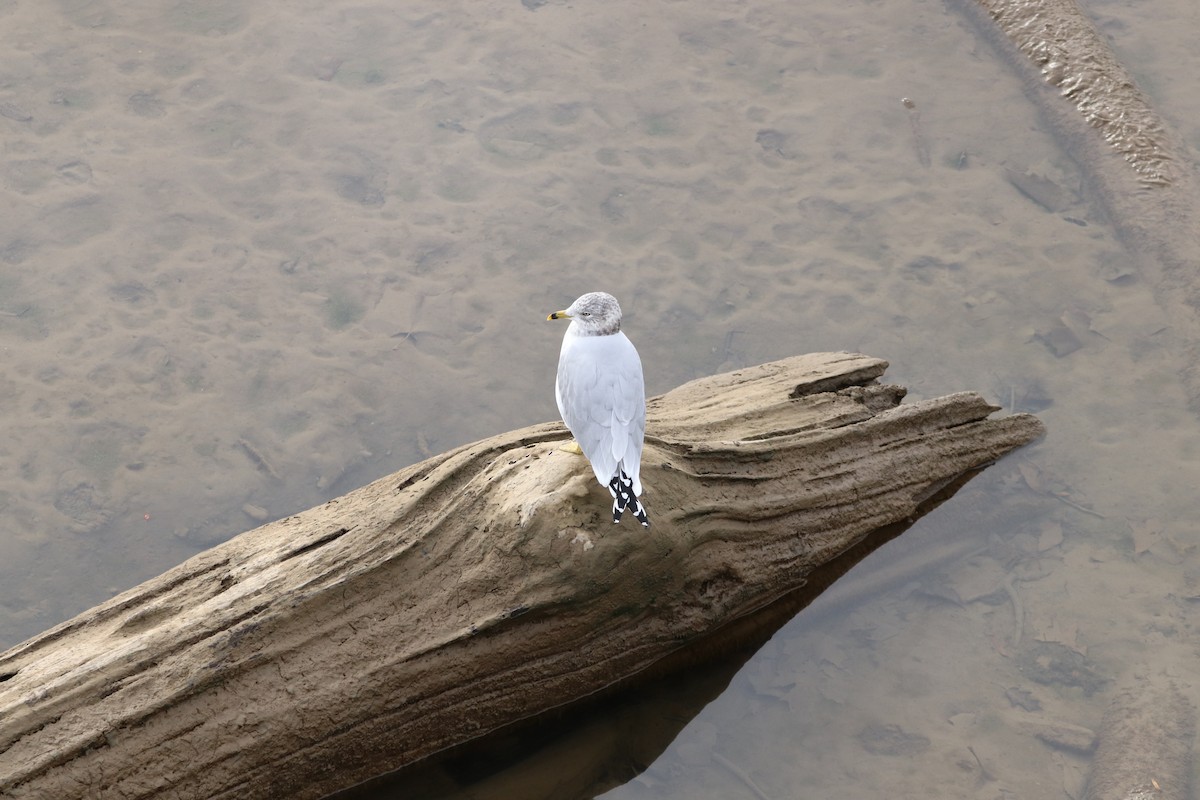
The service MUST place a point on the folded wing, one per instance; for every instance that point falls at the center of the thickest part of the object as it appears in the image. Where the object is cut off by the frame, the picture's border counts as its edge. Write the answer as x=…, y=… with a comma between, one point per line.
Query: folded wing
x=602, y=398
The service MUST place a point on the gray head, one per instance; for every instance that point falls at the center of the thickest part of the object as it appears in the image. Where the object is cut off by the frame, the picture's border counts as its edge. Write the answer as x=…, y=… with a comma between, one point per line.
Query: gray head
x=593, y=314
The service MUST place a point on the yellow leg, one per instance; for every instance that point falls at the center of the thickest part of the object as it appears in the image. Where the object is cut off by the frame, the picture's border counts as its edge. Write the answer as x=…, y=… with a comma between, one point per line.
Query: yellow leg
x=572, y=447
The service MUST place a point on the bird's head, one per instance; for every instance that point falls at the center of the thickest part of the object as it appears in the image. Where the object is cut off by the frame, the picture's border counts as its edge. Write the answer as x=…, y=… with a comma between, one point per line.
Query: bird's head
x=595, y=314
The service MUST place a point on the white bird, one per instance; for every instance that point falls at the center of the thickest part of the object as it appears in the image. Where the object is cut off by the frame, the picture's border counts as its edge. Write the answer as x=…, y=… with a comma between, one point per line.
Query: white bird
x=602, y=397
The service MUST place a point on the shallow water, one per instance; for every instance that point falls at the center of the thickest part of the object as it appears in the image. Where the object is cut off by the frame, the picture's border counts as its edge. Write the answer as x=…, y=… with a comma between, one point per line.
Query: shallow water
x=252, y=257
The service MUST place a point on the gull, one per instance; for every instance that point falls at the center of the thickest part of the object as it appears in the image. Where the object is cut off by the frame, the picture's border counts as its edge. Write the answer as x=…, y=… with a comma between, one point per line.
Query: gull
x=602, y=397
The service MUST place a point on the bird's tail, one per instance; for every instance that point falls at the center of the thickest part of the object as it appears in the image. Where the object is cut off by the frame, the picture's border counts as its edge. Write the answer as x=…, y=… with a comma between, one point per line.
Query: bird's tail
x=621, y=488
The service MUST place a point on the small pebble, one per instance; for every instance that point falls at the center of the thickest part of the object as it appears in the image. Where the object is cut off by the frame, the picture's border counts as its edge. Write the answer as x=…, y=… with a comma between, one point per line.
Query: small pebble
x=1059, y=340
x=256, y=513
x=14, y=112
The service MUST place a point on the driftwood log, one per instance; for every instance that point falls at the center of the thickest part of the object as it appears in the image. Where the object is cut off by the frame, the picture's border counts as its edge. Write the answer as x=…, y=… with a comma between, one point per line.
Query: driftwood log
x=1145, y=746
x=473, y=590
x=1139, y=168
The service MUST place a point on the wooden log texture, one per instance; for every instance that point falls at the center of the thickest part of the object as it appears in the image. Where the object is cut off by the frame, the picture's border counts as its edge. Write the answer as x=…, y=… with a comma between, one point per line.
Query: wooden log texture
x=1145, y=750
x=474, y=589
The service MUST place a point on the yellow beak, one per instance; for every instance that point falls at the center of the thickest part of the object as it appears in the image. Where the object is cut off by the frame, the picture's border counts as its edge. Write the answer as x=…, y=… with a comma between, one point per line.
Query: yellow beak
x=558, y=315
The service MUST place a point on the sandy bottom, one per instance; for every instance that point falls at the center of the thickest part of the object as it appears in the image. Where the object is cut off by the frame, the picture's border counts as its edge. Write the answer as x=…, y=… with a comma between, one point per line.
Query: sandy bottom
x=252, y=257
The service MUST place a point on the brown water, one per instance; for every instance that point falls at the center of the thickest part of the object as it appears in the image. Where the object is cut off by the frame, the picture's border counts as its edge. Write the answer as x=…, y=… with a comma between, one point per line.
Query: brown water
x=252, y=256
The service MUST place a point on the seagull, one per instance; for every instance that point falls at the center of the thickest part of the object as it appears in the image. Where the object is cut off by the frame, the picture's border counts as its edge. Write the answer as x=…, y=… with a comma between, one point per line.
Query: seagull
x=602, y=397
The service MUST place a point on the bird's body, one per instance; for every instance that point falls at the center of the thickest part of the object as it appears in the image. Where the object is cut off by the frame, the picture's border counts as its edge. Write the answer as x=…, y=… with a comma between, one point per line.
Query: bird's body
x=602, y=397
x=597, y=372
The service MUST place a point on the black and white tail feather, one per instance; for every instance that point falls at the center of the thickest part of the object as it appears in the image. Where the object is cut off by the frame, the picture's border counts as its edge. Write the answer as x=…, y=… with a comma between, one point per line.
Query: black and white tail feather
x=621, y=488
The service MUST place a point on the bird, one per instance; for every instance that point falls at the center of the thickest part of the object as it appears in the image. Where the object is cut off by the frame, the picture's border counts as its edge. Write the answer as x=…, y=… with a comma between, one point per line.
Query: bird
x=601, y=396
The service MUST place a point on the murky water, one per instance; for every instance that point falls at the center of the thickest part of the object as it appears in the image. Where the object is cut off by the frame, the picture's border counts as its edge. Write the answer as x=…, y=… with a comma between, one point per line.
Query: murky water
x=252, y=257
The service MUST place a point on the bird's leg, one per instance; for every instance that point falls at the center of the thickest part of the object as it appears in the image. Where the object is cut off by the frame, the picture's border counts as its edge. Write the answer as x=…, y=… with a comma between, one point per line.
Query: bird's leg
x=572, y=447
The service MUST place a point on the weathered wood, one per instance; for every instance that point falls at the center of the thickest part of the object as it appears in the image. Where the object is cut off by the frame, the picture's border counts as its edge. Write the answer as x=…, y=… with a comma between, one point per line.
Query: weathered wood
x=472, y=590
x=1145, y=744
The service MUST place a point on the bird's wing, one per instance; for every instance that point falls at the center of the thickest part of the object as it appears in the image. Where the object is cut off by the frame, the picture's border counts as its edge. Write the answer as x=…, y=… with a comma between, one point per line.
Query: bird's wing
x=602, y=399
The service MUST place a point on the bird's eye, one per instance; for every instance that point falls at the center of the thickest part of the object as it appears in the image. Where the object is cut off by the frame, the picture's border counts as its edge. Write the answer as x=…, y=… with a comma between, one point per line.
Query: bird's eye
x=585, y=314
